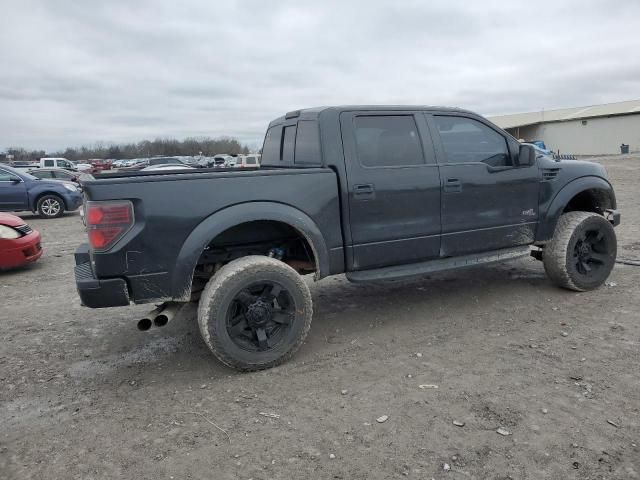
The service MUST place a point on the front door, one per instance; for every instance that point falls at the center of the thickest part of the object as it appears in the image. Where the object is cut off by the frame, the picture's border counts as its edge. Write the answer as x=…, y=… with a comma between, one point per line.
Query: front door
x=394, y=188
x=488, y=201
x=13, y=195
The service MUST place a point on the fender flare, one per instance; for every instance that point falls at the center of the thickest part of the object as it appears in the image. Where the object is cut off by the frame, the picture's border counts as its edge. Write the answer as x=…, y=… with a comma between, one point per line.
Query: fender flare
x=563, y=197
x=235, y=215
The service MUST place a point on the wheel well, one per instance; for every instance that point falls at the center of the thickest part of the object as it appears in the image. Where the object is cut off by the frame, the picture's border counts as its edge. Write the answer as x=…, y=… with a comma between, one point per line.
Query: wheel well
x=262, y=237
x=593, y=200
x=44, y=194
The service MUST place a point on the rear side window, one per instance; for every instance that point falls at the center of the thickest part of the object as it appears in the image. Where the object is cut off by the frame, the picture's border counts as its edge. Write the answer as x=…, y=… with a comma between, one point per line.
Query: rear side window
x=271, y=146
x=48, y=163
x=308, y=143
x=288, y=144
x=388, y=141
x=468, y=141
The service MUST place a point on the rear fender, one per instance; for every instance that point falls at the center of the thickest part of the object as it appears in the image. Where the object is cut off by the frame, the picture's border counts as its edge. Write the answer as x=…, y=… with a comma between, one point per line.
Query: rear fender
x=229, y=217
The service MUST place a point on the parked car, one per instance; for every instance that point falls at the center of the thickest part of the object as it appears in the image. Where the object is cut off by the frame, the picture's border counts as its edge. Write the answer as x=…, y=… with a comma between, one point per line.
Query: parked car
x=384, y=193
x=248, y=161
x=57, y=162
x=19, y=243
x=61, y=174
x=167, y=166
x=217, y=161
x=100, y=164
x=541, y=147
x=150, y=162
x=541, y=151
x=135, y=164
x=21, y=191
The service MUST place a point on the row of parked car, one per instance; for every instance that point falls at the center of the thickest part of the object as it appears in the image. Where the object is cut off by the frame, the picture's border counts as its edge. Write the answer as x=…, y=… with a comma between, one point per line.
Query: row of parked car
x=181, y=162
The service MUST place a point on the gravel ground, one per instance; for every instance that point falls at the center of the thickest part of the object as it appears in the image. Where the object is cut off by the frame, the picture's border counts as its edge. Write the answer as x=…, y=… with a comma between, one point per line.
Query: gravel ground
x=83, y=394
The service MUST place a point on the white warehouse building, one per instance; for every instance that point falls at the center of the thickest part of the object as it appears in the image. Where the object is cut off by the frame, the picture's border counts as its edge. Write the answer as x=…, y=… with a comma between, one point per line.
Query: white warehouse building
x=594, y=130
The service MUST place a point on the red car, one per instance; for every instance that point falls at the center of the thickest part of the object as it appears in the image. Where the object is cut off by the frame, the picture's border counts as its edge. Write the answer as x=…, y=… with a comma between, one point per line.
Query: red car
x=19, y=243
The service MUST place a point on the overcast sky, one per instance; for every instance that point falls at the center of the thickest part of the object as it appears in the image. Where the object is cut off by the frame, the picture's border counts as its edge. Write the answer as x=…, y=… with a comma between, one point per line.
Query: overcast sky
x=74, y=73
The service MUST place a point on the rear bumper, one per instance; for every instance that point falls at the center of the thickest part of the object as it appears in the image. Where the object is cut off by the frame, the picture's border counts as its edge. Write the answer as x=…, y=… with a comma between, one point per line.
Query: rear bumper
x=97, y=293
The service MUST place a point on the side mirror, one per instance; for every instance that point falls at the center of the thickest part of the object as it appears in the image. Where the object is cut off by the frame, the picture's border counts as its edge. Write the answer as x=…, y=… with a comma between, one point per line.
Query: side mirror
x=526, y=156
x=15, y=179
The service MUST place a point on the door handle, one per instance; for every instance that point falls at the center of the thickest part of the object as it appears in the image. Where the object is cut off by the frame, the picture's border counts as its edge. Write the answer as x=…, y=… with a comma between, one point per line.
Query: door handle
x=452, y=185
x=364, y=191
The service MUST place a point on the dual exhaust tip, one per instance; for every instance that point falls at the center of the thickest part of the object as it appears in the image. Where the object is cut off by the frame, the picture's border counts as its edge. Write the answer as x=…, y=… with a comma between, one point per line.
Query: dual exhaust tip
x=159, y=316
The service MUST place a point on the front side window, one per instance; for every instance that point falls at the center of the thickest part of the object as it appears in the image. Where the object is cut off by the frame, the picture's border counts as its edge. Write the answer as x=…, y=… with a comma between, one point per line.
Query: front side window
x=466, y=140
x=5, y=176
x=388, y=141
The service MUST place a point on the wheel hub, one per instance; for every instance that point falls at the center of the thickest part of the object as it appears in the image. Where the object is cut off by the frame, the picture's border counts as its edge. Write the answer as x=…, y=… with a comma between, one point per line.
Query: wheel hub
x=584, y=250
x=259, y=314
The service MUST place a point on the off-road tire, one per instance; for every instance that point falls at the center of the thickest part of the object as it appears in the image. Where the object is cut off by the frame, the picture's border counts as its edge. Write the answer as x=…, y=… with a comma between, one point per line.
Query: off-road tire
x=43, y=206
x=220, y=292
x=559, y=254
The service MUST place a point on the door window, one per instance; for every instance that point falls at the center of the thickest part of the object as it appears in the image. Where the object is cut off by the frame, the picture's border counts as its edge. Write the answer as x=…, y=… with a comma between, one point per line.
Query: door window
x=49, y=163
x=387, y=141
x=5, y=176
x=468, y=141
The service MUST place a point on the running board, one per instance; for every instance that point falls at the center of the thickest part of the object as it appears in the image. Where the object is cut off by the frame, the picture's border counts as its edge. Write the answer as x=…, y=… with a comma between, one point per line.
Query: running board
x=437, y=265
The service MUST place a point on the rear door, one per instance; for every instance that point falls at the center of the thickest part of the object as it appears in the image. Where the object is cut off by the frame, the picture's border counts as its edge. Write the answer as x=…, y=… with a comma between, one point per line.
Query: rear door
x=393, y=188
x=488, y=201
x=13, y=195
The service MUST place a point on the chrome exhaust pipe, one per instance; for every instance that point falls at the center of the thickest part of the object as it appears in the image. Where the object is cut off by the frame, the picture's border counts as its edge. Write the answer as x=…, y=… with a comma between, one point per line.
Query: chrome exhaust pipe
x=167, y=314
x=146, y=323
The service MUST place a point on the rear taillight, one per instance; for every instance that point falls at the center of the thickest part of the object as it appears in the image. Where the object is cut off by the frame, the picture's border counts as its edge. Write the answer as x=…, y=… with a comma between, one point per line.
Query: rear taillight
x=107, y=222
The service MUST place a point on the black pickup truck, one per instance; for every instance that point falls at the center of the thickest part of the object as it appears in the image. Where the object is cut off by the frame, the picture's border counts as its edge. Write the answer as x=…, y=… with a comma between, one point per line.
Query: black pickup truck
x=373, y=192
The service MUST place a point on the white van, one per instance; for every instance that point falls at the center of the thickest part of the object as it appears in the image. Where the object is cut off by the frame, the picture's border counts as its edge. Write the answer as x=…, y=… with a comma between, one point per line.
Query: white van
x=252, y=160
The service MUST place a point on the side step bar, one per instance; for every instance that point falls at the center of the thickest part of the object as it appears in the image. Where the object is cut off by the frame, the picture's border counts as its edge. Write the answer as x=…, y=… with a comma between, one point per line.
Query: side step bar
x=437, y=265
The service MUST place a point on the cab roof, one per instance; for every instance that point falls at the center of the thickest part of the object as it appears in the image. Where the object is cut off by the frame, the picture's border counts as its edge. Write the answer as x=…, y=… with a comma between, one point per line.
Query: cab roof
x=314, y=113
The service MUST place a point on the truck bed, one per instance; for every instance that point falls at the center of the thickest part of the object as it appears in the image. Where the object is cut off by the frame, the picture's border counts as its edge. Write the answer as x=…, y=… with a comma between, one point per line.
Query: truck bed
x=170, y=207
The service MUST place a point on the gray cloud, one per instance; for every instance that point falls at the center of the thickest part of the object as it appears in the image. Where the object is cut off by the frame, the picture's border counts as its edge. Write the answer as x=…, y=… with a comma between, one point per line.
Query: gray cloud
x=74, y=73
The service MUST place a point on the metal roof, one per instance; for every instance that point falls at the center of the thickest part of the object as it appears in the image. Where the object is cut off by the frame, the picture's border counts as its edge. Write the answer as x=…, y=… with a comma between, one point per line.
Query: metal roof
x=564, y=114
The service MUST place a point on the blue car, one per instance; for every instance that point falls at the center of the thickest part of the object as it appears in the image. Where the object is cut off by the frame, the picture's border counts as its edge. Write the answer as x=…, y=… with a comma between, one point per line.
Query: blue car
x=20, y=191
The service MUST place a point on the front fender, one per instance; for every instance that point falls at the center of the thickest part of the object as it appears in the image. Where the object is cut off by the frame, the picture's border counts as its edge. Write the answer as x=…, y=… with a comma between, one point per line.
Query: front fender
x=235, y=215
x=559, y=202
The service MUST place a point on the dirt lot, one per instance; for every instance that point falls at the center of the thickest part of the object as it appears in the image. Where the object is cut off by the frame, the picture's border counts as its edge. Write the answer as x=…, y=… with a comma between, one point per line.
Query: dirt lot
x=85, y=395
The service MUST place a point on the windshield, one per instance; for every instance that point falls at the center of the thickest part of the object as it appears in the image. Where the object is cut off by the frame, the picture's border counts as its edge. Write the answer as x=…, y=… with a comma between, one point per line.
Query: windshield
x=22, y=175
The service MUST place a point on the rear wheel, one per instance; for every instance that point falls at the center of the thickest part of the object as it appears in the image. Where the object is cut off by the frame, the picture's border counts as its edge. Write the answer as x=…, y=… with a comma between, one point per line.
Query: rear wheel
x=50, y=206
x=255, y=313
x=582, y=252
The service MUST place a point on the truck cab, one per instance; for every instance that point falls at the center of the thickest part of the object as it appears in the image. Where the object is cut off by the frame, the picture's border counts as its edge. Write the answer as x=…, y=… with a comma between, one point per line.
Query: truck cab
x=57, y=162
